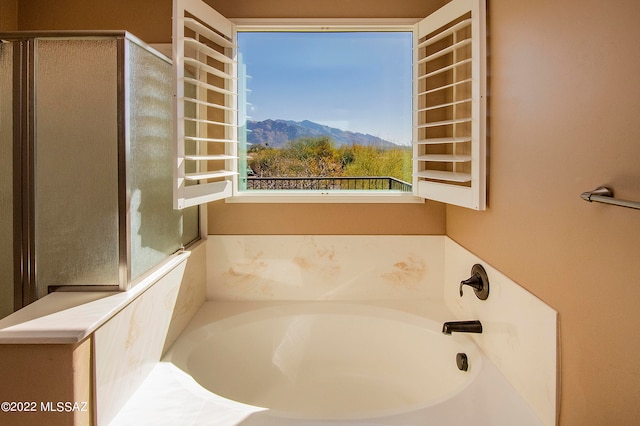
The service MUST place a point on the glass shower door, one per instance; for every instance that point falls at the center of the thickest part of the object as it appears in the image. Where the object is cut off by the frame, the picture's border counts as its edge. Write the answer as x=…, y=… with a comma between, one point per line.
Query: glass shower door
x=6, y=180
x=76, y=162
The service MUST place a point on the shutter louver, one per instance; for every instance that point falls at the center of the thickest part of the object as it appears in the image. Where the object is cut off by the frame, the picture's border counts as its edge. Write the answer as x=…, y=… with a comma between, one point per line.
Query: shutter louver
x=450, y=105
x=205, y=89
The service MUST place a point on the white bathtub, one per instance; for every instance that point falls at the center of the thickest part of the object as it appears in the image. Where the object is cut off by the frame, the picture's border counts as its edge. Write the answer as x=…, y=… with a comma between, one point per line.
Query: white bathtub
x=323, y=364
x=327, y=360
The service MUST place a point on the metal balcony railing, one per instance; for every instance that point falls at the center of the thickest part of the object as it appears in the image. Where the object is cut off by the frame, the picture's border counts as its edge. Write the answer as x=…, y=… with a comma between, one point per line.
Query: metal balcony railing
x=368, y=183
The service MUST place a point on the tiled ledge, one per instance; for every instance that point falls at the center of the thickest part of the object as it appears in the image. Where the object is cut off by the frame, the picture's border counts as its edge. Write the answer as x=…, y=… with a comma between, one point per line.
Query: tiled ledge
x=70, y=317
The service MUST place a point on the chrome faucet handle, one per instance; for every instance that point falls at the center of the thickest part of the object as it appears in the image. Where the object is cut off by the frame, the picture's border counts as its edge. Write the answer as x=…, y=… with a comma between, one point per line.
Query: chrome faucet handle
x=478, y=281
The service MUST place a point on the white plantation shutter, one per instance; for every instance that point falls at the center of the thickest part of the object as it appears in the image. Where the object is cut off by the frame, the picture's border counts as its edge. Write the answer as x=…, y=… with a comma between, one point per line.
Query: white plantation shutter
x=205, y=89
x=449, y=163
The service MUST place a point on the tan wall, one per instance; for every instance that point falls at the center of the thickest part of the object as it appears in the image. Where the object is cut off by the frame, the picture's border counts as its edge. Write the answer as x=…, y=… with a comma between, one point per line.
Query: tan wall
x=325, y=8
x=151, y=19
x=43, y=374
x=8, y=15
x=563, y=98
x=148, y=19
x=327, y=219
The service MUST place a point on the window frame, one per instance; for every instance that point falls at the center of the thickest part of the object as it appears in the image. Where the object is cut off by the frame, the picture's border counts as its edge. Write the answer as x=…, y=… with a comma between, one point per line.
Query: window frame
x=323, y=25
x=430, y=180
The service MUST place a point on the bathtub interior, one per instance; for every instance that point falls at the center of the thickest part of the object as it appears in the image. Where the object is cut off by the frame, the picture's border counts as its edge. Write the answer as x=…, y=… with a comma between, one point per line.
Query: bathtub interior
x=326, y=360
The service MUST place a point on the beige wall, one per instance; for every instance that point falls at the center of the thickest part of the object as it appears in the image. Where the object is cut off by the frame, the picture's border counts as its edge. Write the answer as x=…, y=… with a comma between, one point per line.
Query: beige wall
x=47, y=373
x=564, y=93
x=148, y=19
x=325, y=8
x=564, y=99
x=327, y=219
x=8, y=15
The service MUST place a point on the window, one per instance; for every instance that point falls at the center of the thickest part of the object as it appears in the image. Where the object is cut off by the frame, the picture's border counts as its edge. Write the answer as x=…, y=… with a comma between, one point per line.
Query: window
x=326, y=111
x=224, y=148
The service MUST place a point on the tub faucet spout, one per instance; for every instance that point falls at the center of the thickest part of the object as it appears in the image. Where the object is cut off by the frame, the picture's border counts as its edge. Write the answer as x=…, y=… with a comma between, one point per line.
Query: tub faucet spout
x=462, y=327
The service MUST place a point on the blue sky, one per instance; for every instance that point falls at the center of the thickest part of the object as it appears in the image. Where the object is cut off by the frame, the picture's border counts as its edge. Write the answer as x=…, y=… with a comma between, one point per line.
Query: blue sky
x=353, y=81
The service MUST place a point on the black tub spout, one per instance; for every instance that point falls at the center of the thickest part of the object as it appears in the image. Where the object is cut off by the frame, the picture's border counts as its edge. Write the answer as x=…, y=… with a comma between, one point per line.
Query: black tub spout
x=462, y=327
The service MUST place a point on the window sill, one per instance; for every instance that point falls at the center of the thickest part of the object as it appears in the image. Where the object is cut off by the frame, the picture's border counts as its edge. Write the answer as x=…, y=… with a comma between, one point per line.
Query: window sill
x=312, y=197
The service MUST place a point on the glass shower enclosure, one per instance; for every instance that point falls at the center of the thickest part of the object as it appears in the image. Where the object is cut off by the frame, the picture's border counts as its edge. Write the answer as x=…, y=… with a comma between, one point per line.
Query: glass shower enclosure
x=86, y=151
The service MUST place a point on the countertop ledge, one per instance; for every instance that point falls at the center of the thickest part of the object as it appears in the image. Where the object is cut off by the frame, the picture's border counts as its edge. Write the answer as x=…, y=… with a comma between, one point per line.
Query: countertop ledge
x=69, y=317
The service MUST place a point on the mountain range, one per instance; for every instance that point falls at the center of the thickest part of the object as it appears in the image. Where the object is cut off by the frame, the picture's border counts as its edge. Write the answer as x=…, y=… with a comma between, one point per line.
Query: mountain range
x=276, y=133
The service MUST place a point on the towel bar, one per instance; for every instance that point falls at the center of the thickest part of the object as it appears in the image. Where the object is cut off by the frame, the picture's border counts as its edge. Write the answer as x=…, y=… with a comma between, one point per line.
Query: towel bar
x=602, y=194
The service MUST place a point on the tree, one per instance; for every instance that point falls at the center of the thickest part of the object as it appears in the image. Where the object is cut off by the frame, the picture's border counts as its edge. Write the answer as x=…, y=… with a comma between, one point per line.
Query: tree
x=319, y=157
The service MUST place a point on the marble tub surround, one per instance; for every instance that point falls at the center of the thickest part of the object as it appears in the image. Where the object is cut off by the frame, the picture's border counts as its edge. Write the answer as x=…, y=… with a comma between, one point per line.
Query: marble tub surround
x=58, y=318
x=127, y=347
x=420, y=275
x=69, y=316
x=324, y=267
x=191, y=294
x=129, y=344
x=519, y=330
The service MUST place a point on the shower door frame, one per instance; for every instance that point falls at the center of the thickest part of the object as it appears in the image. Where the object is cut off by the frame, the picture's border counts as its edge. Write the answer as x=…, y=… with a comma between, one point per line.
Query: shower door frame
x=24, y=270
x=24, y=166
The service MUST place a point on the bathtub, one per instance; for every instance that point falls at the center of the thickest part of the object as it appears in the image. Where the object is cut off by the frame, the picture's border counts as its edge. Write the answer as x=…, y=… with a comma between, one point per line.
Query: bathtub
x=327, y=360
x=322, y=363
